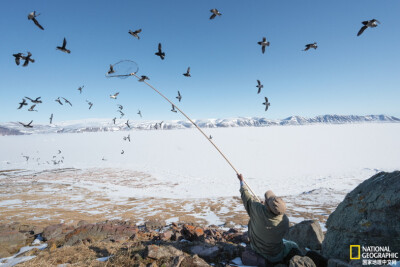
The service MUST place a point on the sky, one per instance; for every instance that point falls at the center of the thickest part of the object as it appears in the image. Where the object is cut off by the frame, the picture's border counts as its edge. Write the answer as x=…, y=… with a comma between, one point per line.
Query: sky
x=345, y=75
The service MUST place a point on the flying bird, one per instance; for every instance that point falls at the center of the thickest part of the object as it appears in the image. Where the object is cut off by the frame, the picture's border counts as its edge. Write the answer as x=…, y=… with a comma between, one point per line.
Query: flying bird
x=66, y=101
x=143, y=78
x=27, y=125
x=122, y=114
x=63, y=47
x=263, y=44
x=179, y=97
x=127, y=138
x=187, y=74
x=18, y=57
x=127, y=124
x=215, y=13
x=114, y=96
x=259, y=86
x=32, y=16
x=139, y=113
x=210, y=137
x=89, y=103
x=173, y=109
x=111, y=70
x=114, y=119
x=308, y=46
x=23, y=103
x=36, y=101
x=58, y=100
x=80, y=89
x=135, y=33
x=120, y=107
x=266, y=103
x=368, y=23
x=122, y=152
x=59, y=151
x=32, y=108
x=27, y=59
x=160, y=53
x=51, y=118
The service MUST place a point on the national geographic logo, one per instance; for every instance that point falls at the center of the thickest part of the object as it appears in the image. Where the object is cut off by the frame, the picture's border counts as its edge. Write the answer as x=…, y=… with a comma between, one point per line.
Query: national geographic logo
x=373, y=255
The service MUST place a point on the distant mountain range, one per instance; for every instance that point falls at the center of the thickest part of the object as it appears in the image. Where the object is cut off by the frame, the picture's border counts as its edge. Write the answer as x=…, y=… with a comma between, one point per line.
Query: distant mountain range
x=107, y=125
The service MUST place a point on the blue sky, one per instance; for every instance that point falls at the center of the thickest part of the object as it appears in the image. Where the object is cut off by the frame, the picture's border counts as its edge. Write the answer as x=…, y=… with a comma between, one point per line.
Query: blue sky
x=345, y=75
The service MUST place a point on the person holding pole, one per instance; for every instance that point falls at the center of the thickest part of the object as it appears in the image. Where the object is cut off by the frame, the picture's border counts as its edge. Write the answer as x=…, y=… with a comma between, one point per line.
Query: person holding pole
x=267, y=225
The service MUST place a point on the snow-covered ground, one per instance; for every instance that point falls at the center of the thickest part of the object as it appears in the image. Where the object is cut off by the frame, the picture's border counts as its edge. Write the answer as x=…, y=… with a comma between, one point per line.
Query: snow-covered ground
x=178, y=175
x=290, y=160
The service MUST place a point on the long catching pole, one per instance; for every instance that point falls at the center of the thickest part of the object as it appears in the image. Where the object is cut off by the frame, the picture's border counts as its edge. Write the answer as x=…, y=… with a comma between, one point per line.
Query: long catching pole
x=187, y=117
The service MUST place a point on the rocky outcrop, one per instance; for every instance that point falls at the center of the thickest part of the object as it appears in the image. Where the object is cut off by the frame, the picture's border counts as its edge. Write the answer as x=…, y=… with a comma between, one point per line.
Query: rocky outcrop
x=298, y=261
x=14, y=236
x=368, y=216
x=307, y=234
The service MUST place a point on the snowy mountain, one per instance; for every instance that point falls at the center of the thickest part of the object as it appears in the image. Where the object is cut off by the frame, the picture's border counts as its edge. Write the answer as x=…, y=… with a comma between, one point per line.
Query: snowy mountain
x=106, y=125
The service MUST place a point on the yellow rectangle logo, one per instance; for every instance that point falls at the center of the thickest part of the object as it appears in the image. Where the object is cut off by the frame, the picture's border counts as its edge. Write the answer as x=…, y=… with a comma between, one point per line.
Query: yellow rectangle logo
x=358, y=254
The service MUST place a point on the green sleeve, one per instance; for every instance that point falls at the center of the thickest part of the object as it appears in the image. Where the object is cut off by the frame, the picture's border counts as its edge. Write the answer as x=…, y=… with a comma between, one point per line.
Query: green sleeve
x=248, y=200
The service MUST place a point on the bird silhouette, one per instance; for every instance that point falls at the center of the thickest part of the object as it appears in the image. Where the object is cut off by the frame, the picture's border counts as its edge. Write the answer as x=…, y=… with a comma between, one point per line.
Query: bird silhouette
x=18, y=57
x=23, y=103
x=111, y=70
x=160, y=53
x=179, y=97
x=27, y=125
x=173, y=109
x=27, y=59
x=263, y=44
x=36, y=101
x=308, y=46
x=187, y=74
x=135, y=33
x=127, y=124
x=259, y=86
x=32, y=16
x=89, y=103
x=58, y=100
x=143, y=78
x=63, y=47
x=51, y=118
x=32, y=108
x=114, y=96
x=66, y=101
x=80, y=89
x=215, y=13
x=122, y=114
x=120, y=107
x=368, y=24
x=114, y=119
x=139, y=113
x=266, y=103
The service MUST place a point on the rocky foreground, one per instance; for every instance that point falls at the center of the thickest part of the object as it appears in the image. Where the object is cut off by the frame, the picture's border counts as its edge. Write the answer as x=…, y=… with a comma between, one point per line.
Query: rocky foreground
x=369, y=215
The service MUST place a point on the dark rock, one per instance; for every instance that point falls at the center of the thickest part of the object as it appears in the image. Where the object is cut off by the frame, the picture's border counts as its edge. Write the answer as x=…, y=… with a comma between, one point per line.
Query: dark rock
x=159, y=252
x=56, y=231
x=116, y=232
x=205, y=251
x=166, y=236
x=154, y=224
x=193, y=233
x=337, y=263
x=367, y=216
x=298, y=261
x=194, y=261
x=306, y=234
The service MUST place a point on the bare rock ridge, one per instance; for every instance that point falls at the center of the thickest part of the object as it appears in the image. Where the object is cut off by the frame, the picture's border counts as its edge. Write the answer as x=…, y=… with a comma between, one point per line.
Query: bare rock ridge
x=369, y=216
x=106, y=125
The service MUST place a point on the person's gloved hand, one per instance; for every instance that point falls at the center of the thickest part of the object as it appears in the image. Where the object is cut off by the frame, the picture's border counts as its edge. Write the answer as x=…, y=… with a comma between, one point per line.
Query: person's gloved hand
x=240, y=177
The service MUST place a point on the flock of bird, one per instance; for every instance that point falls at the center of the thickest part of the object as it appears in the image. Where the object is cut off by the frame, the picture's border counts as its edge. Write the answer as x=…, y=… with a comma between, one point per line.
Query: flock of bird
x=27, y=58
